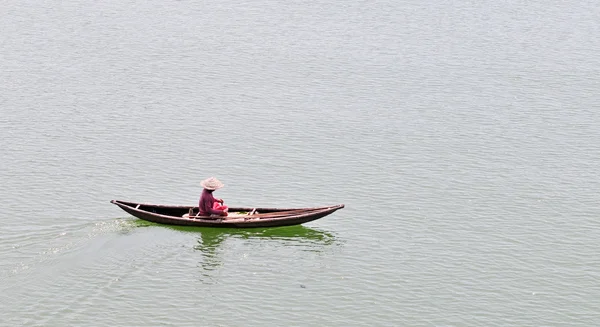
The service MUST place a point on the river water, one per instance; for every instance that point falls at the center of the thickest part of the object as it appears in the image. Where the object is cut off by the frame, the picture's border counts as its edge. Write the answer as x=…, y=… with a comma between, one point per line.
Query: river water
x=462, y=136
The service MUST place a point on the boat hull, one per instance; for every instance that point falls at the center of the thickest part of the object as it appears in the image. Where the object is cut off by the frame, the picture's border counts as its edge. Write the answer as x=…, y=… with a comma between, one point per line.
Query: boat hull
x=267, y=217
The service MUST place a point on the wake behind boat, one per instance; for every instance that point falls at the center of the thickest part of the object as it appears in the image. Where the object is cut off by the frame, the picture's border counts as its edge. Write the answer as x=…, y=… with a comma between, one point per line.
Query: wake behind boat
x=238, y=217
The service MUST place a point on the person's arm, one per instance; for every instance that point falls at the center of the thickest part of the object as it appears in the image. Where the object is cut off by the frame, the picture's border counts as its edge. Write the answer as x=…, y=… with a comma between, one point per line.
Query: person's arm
x=213, y=211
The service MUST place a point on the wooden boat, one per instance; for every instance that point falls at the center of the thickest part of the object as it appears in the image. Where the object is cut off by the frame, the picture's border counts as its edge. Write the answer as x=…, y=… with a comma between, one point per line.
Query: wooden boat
x=238, y=217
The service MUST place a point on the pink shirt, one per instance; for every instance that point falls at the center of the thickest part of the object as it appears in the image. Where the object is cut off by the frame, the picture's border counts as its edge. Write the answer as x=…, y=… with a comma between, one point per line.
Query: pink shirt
x=205, y=205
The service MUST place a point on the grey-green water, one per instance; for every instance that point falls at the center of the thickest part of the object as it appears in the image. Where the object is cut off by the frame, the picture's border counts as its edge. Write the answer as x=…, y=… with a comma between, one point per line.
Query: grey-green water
x=463, y=137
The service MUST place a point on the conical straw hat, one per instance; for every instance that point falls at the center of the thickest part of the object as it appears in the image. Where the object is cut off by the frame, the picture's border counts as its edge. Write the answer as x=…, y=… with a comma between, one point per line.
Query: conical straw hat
x=211, y=184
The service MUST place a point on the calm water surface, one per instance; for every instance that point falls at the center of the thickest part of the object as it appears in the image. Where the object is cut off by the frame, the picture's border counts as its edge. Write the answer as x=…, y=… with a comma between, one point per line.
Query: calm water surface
x=461, y=135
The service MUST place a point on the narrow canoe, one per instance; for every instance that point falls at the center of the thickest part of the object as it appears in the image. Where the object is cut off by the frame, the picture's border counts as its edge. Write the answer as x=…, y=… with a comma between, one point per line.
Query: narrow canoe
x=239, y=217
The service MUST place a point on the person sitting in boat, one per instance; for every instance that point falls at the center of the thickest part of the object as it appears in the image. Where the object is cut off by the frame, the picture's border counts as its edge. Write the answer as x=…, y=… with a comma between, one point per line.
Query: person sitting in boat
x=208, y=205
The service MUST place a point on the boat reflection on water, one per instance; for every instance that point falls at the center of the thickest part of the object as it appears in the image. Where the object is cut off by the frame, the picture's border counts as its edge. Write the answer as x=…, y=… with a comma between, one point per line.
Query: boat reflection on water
x=212, y=237
x=210, y=240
